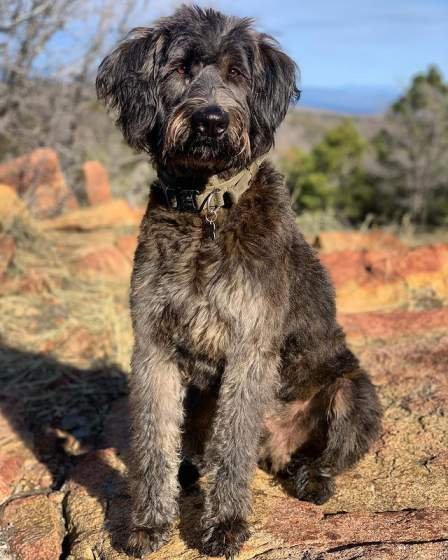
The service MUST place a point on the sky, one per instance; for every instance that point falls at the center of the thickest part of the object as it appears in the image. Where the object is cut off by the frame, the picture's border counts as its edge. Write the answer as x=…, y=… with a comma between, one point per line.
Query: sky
x=355, y=56
x=339, y=43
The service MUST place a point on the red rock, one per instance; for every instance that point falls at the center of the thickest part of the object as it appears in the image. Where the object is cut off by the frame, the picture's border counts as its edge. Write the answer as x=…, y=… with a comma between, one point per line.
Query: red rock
x=383, y=280
x=19, y=468
x=330, y=241
x=38, y=179
x=35, y=527
x=104, y=261
x=283, y=525
x=391, y=506
x=115, y=213
x=96, y=182
x=10, y=472
x=345, y=266
x=395, y=324
x=127, y=245
x=7, y=252
x=305, y=525
x=427, y=259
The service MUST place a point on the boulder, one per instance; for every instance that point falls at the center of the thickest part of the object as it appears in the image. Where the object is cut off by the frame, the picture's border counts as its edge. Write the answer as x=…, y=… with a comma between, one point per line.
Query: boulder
x=115, y=213
x=37, y=178
x=385, y=280
x=35, y=527
x=96, y=182
x=106, y=261
x=421, y=267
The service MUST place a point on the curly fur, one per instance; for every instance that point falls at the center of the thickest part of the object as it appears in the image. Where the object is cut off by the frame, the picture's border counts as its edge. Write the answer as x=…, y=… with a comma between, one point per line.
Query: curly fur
x=238, y=357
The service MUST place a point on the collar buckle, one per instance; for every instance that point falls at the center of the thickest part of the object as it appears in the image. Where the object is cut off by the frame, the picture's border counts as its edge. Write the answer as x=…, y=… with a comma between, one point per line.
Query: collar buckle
x=183, y=200
x=186, y=200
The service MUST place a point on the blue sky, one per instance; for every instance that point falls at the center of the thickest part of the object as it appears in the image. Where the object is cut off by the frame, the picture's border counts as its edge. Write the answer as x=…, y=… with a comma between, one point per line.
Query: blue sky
x=355, y=56
x=341, y=43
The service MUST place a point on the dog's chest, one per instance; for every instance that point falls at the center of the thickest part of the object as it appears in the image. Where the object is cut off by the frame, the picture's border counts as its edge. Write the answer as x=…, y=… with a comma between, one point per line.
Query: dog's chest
x=199, y=294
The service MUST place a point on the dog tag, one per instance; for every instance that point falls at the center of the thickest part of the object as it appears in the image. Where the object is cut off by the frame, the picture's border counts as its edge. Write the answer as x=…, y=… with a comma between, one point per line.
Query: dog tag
x=210, y=230
x=209, y=222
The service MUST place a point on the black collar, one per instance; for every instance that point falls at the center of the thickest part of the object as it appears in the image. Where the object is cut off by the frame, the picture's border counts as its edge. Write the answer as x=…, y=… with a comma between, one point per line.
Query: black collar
x=216, y=193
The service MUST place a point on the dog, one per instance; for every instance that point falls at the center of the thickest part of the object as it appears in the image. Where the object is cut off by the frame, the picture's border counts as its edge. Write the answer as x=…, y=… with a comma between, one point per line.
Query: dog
x=238, y=358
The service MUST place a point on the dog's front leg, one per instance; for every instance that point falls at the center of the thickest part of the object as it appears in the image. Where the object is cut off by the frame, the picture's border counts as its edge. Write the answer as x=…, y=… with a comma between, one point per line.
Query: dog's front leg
x=157, y=411
x=247, y=387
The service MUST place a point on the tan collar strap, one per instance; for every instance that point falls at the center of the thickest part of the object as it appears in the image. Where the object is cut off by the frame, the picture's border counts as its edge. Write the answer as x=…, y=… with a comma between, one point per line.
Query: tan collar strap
x=214, y=194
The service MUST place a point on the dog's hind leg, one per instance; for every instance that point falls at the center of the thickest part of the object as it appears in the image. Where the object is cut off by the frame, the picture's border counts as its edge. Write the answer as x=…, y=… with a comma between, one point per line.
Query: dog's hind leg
x=349, y=420
x=326, y=435
x=157, y=413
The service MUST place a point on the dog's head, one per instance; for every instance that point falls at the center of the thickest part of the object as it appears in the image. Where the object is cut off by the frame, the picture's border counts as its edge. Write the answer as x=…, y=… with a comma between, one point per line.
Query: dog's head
x=198, y=90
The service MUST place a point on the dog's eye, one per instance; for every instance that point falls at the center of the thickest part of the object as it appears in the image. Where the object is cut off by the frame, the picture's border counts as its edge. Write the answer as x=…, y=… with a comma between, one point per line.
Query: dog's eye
x=234, y=72
x=182, y=69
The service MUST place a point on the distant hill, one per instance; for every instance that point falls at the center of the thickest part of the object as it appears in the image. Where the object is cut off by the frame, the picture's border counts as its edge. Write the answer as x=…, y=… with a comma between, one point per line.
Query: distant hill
x=352, y=100
x=303, y=127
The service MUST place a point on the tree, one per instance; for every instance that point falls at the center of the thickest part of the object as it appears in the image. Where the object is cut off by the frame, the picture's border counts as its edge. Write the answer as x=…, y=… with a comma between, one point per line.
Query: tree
x=331, y=176
x=49, y=100
x=412, y=150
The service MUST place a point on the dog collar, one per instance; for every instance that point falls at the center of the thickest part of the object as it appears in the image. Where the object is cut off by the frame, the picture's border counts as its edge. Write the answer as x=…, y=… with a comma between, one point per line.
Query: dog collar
x=217, y=193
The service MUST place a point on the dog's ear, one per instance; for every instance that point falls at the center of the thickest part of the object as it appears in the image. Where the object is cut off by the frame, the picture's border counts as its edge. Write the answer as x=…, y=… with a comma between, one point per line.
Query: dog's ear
x=274, y=84
x=127, y=83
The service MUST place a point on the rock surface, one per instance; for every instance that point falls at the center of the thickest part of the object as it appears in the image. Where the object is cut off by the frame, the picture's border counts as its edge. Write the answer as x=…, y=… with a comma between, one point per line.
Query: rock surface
x=385, y=280
x=106, y=261
x=381, y=326
x=393, y=505
x=20, y=470
x=96, y=182
x=38, y=179
x=35, y=527
x=115, y=213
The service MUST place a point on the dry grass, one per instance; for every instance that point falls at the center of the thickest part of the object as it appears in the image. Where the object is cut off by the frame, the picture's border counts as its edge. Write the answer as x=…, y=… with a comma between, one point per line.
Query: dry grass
x=65, y=342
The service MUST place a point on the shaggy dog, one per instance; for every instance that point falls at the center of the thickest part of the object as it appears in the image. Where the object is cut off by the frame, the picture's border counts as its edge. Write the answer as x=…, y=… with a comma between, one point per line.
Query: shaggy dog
x=238, y=357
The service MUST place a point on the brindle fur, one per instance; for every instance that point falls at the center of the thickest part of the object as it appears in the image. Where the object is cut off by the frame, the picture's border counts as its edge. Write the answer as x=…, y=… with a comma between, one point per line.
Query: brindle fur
x=238, y=357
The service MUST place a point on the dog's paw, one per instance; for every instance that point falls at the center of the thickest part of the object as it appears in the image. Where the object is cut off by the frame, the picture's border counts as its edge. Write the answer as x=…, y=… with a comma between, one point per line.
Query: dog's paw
x=143, y=540
x=310, y=486
x=225, y=538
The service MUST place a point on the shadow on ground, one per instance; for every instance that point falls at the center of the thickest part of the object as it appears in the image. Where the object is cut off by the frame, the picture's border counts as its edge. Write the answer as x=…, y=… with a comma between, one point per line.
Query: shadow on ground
x=59, y=411
x=62, y=414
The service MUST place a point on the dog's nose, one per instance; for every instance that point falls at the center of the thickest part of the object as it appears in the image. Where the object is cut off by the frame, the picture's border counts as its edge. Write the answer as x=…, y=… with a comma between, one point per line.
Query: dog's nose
x=210, y=121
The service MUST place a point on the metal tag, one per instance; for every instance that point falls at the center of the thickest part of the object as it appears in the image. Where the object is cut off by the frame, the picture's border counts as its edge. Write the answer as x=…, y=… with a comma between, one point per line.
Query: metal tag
x=210, y=230
x=209, y=223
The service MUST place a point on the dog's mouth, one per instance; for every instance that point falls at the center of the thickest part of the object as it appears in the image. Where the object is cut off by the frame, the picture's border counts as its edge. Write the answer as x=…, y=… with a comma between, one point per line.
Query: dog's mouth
x=207, y=137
